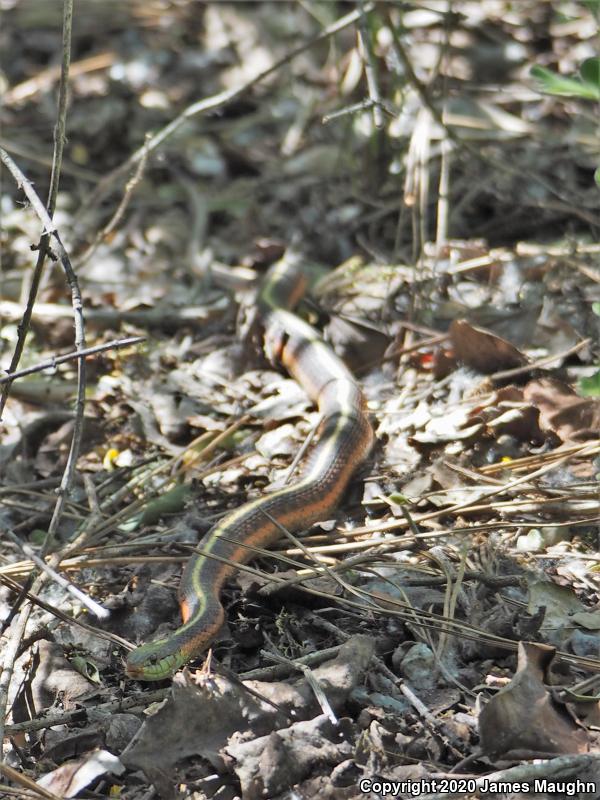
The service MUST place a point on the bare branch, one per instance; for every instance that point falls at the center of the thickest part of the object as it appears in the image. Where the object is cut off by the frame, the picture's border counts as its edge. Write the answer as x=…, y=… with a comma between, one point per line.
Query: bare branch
x=51, y=363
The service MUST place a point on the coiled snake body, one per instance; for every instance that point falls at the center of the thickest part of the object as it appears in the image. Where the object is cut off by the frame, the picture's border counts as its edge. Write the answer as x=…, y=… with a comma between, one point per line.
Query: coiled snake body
x=344, y=442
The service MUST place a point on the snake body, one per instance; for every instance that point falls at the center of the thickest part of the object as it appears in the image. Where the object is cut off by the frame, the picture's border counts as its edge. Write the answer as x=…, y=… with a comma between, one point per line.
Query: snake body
x=345, y=438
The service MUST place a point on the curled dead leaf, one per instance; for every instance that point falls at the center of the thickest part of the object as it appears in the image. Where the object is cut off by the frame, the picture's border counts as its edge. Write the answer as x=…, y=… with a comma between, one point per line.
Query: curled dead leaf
x=482, y=350
x=572, y=418
x=525, y=718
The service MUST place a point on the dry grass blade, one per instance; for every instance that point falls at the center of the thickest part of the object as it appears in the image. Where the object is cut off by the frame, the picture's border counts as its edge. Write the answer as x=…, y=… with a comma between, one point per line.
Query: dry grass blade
x=27, y=783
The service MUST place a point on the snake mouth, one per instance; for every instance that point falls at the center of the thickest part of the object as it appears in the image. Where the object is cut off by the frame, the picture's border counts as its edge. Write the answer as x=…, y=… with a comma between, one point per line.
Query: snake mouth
x=133, y=672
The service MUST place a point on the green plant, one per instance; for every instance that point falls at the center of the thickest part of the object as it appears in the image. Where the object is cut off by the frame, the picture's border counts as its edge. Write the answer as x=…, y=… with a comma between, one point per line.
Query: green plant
x=586, y=85
x=591, y=386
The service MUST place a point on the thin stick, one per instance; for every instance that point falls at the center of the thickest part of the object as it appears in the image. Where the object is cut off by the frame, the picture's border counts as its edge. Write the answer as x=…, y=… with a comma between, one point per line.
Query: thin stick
x=541, y=362
x=300, y=454
x=92, y=606
x=17, y=149
x=10, y=653
x=141, y=699
x=33, y=598
x=76, y=301
x=44, y=80
x=24, y=781
x=51, y=363
x=310, y=679
x=59, y=142
x=130, y=187
x=61, y=121
x=370, y=75
x=191, y=316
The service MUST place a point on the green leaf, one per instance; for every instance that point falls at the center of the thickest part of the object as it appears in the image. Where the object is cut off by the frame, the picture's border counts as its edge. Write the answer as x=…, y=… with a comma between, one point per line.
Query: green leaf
x=37, y=537
x=590, y=387
x=597, y=176
x=552, y=83
x=397, y=499
x=590, y=71
x=86, y=668
x=168, y=503
x=594, y=7
x=596, y=306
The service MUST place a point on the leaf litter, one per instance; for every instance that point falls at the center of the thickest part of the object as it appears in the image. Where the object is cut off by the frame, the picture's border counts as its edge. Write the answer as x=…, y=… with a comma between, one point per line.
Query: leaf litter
x=395, y=628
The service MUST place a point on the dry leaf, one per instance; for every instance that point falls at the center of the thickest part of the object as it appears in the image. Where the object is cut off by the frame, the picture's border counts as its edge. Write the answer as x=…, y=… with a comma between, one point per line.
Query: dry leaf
x=482, y=350
x=572, y=418
x=524, y=717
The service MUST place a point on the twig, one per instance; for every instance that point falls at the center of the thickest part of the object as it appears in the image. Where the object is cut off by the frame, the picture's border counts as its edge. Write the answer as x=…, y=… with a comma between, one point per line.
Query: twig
x=95, y=608
x=311, y=555
x=20, y=794
x=139, y=699
x=308, y=574
x=9, y=656
x=165, y=318
x=300, y=454
x=232, y=677
x=17, y=149
x=113, y=638
x=77, y=304
x=541, y=362
x=51, y=363
x=130, y=187
x=310, y=679
x=365, y=51
x=282, y=670
x=443, y=204
x=20, y=623
x=25, y=782
x=494, y=582
x=364, y=105
x=45, y=79
x=61, y=121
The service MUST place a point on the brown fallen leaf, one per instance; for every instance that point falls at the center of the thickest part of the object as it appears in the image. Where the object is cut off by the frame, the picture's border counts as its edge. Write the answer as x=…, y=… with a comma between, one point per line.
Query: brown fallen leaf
x=524, y=717
x=360, y=345
x=482, y=350
x=572, y=418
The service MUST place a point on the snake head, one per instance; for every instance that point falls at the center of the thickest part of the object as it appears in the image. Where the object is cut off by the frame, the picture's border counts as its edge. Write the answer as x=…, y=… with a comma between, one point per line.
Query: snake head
x=154, y=661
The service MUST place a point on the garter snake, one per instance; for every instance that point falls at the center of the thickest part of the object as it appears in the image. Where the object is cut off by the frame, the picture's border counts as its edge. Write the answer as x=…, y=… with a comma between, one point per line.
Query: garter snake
x=345, y=438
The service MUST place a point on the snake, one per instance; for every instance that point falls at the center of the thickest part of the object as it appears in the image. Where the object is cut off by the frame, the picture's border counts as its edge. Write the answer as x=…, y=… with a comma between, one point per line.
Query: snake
x=344, y=441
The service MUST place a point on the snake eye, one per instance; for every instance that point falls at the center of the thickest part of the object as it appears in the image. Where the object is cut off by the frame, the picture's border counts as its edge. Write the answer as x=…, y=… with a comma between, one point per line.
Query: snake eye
x=153, y=659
